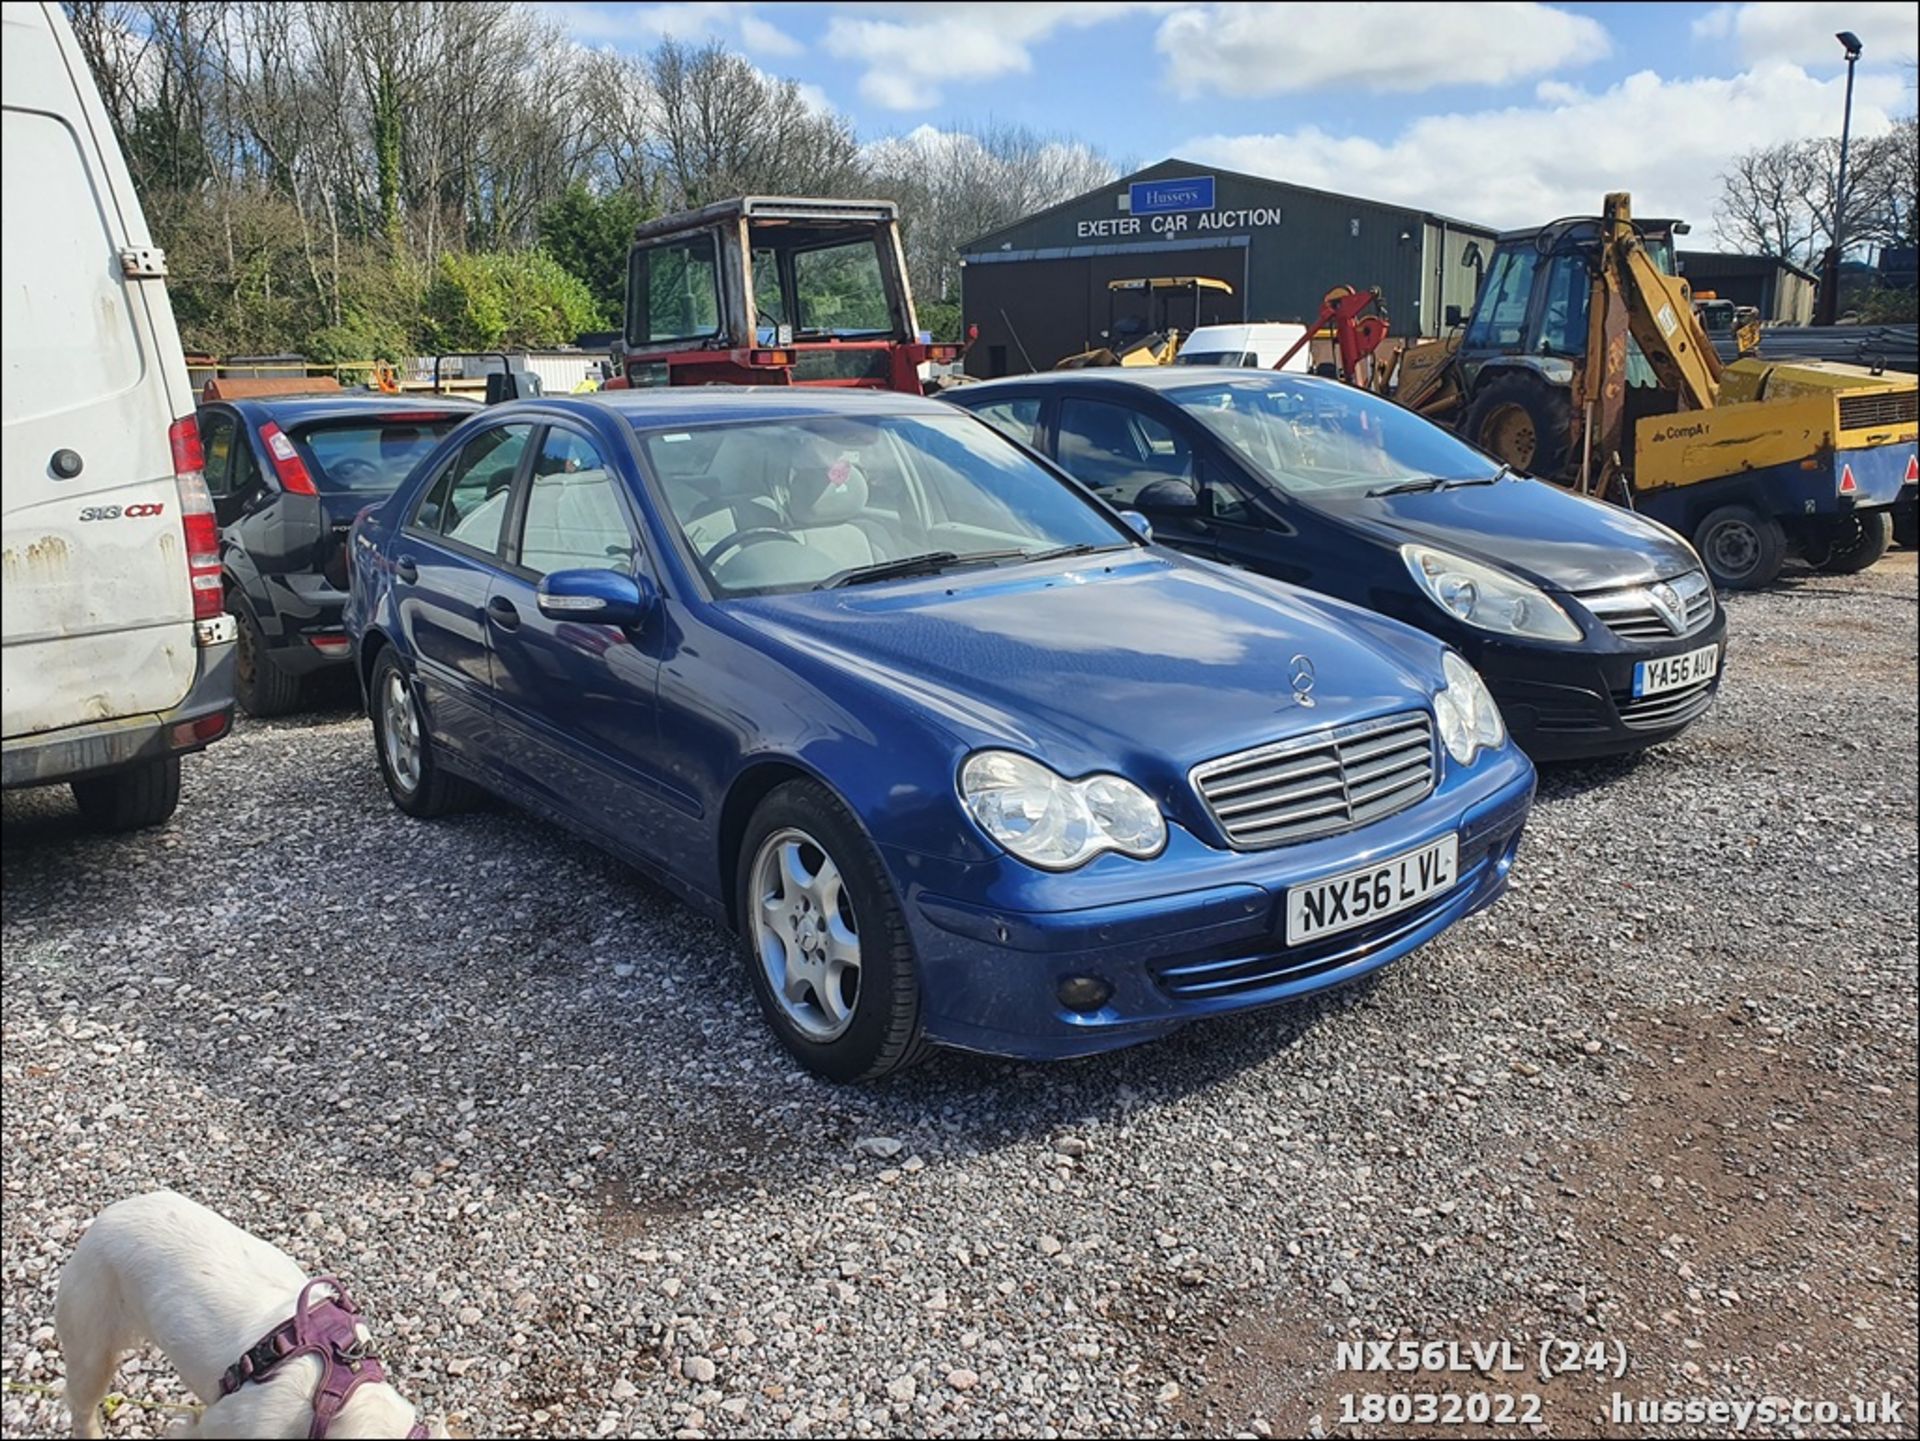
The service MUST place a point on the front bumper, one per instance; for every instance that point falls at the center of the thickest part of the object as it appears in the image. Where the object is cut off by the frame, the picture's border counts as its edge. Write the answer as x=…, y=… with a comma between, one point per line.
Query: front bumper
x=1205, y=940
x=1575, y=704
x=76, y=752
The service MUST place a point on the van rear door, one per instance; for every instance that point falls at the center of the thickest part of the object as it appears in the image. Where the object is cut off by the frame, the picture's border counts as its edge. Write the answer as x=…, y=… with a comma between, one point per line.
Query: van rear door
x=98, y=614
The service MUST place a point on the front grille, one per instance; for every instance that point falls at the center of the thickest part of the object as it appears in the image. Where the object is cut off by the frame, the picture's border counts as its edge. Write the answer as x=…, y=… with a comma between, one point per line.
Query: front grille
x=1632, y=614
x=1889, y=407
x=1669, y=708
x=1315, y=785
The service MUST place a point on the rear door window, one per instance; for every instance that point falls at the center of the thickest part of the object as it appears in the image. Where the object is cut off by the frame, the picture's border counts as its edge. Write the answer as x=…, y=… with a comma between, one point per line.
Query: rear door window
x=468, y=503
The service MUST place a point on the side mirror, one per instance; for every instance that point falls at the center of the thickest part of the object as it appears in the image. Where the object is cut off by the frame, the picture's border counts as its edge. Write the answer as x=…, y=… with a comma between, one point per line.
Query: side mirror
x=1139, y=522
x=1169, y=497
x=1454, y=317
x=604, y=597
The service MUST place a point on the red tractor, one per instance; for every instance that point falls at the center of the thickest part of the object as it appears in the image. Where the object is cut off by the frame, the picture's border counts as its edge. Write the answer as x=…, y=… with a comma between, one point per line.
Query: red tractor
x=775, y=290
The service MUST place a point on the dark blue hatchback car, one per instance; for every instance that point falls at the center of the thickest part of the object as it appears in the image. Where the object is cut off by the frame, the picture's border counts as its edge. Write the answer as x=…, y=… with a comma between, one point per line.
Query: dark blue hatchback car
x=960, y=756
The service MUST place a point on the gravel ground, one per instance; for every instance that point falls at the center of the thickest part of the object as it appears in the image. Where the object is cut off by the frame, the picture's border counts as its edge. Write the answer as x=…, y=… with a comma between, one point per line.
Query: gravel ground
x=1664, y=1094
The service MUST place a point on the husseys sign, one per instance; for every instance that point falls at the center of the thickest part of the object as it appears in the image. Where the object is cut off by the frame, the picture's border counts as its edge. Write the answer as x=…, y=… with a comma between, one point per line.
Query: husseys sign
x=1180, y=206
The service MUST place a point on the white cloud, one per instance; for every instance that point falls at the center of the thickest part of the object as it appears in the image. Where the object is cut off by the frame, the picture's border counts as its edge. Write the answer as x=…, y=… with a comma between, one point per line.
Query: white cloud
x=908, y=60
x=1802, y=34
x=1666, y=141
x=1273, y=49
x=697, y=21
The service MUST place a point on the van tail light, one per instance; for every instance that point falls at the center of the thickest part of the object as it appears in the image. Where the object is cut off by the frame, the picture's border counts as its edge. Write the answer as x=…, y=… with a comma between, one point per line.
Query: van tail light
x=196, y=518
x=287, y=463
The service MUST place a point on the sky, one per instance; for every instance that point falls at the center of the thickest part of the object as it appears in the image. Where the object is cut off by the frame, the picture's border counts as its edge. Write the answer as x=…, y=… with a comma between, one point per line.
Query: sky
x=1503, y=113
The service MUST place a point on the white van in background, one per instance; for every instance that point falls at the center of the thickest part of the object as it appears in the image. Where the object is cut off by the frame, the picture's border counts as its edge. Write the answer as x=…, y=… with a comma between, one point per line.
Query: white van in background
x=1260, y=345
x=118, y=655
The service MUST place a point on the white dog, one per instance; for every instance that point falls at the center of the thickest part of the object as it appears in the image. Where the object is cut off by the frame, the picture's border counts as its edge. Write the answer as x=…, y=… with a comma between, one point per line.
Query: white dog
x=164, y=1269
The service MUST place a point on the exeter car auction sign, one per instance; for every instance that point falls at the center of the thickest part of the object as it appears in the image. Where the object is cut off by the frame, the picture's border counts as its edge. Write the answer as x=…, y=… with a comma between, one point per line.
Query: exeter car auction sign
x=1175, y=207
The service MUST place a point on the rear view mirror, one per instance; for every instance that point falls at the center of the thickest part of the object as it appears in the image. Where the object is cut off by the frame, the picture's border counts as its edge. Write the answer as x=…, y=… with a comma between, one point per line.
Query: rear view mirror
x=1139, y=522
x=1454, y=317
x=1169, y=497
x=604, y=597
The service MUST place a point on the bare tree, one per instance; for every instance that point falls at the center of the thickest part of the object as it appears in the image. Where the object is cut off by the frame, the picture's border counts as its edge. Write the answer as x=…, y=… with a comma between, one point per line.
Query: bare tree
x=954, y=185
x=1780, y=200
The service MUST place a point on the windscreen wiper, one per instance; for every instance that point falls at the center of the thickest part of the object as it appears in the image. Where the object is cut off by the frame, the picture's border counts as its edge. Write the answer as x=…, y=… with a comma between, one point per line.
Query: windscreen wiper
x=1061, y=552
x=1407, y=487
x=1499, y=475
x=931, y=563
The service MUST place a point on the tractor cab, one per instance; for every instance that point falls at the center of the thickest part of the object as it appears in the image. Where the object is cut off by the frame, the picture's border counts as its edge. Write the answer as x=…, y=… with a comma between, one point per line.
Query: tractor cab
x=773, y=290
x=1534, y=297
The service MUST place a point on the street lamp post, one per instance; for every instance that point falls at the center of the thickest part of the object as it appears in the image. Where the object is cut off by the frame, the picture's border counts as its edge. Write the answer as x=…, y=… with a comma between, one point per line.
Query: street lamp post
x=1830, y=301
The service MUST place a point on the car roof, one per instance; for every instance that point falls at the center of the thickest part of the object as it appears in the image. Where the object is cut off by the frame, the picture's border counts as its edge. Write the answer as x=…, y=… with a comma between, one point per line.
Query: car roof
x=288, y=410
x=1147, y=377
x=669, y=406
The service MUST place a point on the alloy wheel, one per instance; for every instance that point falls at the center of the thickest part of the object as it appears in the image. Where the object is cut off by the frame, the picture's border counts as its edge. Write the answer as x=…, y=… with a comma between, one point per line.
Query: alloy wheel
x=805, y=934
x=400, y=732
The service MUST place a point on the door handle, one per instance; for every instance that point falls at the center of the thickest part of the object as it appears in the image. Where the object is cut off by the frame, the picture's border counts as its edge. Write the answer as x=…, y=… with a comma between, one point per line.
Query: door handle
x=500, y=610
x=404, y=569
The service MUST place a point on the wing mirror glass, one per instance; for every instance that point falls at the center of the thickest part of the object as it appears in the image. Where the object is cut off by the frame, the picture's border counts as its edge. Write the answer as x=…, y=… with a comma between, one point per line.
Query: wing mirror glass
x=1454, y=317
x=602, y=597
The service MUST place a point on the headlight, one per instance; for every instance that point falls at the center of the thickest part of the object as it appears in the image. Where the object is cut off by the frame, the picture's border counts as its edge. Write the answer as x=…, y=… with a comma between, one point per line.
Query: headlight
x=1465, y=709
x=1052, y=822
x=1484, y=597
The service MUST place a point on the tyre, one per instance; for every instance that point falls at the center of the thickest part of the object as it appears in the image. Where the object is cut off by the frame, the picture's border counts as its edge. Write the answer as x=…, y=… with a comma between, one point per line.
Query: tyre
x=132, y=799
x=414, y=777
x=825, y=942
x=1742, y=549
x=259, y=685
x=1524, y=421
x=1856, y=542
x=1906, y=527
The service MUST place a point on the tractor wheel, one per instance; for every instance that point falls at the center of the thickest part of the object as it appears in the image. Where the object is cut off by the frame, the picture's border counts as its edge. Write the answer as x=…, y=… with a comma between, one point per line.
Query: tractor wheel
x=1524, y=421
x=1855, y=543
x=1742, y=548
x=1906, y=527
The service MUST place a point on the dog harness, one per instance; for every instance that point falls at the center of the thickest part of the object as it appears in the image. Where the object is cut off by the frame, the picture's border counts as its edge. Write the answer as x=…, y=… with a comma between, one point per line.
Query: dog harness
x=329, y=1329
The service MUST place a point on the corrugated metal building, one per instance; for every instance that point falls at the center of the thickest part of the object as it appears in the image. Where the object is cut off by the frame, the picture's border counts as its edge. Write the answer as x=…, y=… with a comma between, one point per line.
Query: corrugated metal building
x=1038, y=289
x=1781, y=291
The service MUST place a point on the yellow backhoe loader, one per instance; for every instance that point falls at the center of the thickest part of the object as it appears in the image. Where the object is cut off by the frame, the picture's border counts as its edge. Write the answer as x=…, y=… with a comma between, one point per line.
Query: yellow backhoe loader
x=1141, y=320
x=1585, y=362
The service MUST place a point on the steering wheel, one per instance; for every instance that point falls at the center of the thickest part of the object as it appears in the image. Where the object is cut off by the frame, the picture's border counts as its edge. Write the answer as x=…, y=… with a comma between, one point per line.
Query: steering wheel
x=753, y=535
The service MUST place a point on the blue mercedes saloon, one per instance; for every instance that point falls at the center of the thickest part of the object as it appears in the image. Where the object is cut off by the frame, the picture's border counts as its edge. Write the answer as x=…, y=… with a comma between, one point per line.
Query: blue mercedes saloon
x=960, y=756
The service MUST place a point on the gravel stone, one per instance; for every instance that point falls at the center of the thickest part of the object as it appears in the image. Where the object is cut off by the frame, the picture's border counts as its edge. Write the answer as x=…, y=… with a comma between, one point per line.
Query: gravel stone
x=296, y=1005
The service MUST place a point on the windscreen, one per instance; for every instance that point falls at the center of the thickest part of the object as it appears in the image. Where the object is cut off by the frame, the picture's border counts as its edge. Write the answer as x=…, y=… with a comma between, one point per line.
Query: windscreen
x=839, y=291
x=806, y=503
x=1307, y=435
x=368, y=456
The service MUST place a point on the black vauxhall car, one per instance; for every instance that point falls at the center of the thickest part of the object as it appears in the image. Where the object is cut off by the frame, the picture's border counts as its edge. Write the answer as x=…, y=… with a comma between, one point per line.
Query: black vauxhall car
x=1598, y=631
x=288, y=474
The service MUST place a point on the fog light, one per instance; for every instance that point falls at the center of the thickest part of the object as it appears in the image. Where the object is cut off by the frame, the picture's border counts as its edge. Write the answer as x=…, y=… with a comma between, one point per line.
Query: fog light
x=1084, y=993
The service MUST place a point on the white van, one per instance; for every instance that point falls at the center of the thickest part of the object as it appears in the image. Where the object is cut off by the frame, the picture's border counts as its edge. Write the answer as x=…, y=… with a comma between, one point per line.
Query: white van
x=1260, y=345
x=118, y=654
